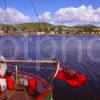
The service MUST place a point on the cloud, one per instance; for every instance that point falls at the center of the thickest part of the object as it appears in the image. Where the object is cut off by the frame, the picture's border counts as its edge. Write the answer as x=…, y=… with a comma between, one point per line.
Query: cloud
x=46, y=17
x=13, y=16
x=73, y=16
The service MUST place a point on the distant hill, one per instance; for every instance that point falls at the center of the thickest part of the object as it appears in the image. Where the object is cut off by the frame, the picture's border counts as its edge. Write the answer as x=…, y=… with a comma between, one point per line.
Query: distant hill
x=6, y=26
x=32, y=26
x=87, y=25
x=45, y=26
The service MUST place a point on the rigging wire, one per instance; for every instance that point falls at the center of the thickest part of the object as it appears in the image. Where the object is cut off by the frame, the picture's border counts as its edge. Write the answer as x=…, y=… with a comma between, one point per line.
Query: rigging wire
x=1, y=22
x=49, y=53
x=34, y=8
x=54, y=70
x=7, y=13
x=27, y=98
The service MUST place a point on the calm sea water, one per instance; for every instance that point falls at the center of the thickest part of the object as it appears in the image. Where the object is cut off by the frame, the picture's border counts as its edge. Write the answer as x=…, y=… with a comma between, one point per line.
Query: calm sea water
x=80, y=53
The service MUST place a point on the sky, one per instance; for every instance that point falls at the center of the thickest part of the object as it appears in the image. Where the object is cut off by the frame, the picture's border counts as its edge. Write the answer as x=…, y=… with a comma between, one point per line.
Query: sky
x=66, y=12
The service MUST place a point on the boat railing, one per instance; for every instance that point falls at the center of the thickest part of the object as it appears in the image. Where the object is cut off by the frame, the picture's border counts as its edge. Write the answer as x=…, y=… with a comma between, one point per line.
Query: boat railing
x=17, y=62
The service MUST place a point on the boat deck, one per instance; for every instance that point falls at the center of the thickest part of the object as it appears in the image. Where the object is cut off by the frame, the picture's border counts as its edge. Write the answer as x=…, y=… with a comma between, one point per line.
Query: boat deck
x=17, y=94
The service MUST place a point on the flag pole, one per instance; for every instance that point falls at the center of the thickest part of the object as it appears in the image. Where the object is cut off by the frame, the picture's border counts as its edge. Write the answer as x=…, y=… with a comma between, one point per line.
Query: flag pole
x=17, y=76
x=57, y=69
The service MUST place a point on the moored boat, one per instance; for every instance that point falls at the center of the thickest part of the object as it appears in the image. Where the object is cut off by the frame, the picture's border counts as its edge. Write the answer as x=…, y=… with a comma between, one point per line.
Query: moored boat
x=24, y=86
x=17, y=85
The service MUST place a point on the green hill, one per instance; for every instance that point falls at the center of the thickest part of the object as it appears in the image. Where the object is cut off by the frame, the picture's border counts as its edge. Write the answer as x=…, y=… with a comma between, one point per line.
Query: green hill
x=85, y=27
x=47, y=26
x=33, y=26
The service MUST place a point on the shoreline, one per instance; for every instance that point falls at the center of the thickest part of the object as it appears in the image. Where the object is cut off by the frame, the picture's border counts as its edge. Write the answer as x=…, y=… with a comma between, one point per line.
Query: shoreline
x=22, y=34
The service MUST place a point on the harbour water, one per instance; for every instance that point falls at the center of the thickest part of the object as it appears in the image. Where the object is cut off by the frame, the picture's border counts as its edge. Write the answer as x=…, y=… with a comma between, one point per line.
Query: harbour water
x=80, y=53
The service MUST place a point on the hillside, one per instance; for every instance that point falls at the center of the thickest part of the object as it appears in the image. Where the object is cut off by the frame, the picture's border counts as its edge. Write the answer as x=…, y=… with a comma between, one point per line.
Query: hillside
x=33, y=26
x=47, y=28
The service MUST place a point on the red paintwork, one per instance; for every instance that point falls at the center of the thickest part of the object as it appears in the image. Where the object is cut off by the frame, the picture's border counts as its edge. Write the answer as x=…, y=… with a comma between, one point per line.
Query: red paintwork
x=47, y=88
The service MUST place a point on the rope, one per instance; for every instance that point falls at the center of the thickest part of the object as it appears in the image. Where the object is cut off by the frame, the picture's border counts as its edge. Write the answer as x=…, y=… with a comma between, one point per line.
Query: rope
x=26, y=94
x=11, y=95
x=33, y=5
x=52, y=79
x=50, y=54
x=1, y=22
x=6, y=11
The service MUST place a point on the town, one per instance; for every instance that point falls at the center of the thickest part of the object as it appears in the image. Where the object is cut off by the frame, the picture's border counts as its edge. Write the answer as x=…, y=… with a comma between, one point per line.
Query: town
x=48, y=29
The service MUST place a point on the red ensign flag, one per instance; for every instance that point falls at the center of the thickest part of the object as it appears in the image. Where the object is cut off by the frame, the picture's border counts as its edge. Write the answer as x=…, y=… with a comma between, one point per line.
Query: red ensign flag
x=71, y=77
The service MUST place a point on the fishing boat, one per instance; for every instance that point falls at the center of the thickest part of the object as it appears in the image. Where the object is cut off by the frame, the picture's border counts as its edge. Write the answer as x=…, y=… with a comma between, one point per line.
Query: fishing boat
x=18, y=85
